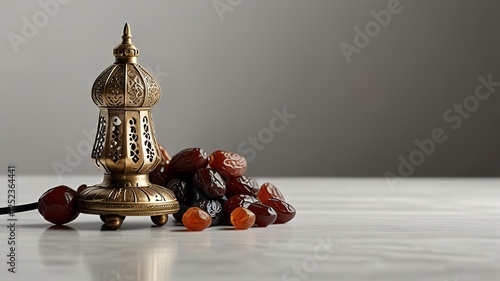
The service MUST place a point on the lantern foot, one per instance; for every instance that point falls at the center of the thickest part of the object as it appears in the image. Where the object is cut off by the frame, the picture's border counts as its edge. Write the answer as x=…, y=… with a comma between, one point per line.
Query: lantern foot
x=112, y=222
x=159, y=220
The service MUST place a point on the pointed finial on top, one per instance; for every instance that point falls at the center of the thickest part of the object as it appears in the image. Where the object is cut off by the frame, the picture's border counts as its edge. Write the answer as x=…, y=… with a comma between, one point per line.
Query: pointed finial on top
x=127, y=36
x=126, y=51
x=126, y=29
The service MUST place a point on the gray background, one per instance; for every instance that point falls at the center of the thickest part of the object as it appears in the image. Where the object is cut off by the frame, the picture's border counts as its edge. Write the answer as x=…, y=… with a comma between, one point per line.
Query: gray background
x=221, y=77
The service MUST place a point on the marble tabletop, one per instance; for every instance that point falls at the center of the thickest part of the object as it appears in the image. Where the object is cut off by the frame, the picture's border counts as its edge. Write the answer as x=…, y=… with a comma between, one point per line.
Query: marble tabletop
x=345, y=229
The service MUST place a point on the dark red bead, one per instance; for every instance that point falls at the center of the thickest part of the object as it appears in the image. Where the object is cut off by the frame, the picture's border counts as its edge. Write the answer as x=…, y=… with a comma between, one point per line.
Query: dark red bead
x=58, y=205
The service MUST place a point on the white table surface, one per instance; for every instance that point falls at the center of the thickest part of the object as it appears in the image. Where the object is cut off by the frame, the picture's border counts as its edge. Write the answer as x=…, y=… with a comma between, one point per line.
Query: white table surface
x=345, y=229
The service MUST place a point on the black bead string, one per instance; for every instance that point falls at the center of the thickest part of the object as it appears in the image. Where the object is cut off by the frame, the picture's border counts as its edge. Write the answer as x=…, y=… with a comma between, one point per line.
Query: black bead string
x=18, y=208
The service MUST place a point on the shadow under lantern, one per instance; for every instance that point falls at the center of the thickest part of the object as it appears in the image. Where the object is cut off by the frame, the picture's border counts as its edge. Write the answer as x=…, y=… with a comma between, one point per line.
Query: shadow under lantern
x=125, y=147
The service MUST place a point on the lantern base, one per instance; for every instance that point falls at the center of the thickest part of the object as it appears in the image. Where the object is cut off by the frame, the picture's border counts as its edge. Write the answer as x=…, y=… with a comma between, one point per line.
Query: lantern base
x=127, y=195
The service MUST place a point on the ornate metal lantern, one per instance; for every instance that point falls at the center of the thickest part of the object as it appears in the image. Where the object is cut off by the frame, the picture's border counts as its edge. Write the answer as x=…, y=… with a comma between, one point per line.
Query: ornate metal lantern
x=125, y=147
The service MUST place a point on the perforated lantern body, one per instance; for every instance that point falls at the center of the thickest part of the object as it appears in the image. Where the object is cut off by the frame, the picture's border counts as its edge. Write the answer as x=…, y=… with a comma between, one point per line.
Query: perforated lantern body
x=125, y=147
x=125, y=141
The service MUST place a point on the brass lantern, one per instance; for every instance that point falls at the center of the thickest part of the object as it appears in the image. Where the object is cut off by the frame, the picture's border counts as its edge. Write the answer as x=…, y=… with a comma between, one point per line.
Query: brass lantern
x=125, y=147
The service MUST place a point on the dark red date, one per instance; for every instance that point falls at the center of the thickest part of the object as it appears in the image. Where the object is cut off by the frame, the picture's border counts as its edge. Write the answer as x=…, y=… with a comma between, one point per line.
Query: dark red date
x=228, y=164
x=213, y=208
x=268, y=191
x=58, y=205
x=187, y=161
x=160, y=174
x=180, y=188
x=237, y=201
x=285, y=211
x=209, y=182
x=264, y=215
x=81, y=188
x=242, y=185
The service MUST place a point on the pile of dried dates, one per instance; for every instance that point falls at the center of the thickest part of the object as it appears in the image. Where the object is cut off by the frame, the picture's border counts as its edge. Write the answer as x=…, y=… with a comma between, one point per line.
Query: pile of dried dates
x=213, y=189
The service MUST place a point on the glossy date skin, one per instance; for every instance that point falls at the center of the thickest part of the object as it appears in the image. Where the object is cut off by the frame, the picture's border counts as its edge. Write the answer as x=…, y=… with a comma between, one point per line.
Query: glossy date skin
x=217, y=185
x=209, y=182
x=212, y=207
x=242, y=218
x=58, y=205
x=236, y=201
x=242, y=185
x=195, y=219
x=268, y=191
x=264, y=215
x=180, y=188
x=159, y=175
x=285, y=211
x=228, y=164
x=187, y=161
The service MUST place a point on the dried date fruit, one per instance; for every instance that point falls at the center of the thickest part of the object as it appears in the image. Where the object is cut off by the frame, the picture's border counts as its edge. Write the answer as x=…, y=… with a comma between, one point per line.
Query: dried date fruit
x=195, y=219
x=197, y=195
x=160, y=173
x=164, y=154
x=180, y=189
x=242, y=185
x=228, y=164
x=222, y=200
x=268, y=191
x=81, y=188
x=183, y=207
x=237, y=201
x=242, y=218
x=58, y=205
x=187, y=161
x=264, y=215
x=209, y=182
x=212, y=207
x=285, y=211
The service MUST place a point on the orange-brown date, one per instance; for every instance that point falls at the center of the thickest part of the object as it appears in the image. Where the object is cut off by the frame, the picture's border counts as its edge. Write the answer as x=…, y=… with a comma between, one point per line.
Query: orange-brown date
x=242, y=218
x=195, y=219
